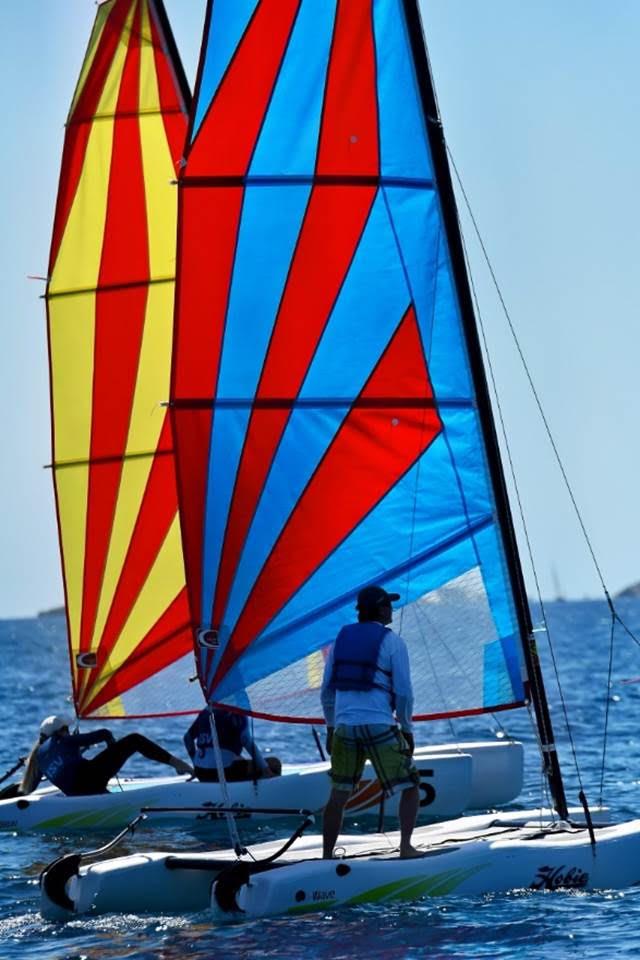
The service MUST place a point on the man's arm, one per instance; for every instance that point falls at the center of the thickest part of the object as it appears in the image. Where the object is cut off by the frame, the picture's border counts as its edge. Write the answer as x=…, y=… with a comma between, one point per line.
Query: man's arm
x=254, y=752
x=92, y=737
x=401, y=685
x=327, y=693
x=32, y=775
x=189, y=739
x=328, y=700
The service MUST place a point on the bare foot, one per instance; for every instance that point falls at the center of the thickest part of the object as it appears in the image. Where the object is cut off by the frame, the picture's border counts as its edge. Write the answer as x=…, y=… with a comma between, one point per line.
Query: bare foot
x=410, y=853
x=181, y=766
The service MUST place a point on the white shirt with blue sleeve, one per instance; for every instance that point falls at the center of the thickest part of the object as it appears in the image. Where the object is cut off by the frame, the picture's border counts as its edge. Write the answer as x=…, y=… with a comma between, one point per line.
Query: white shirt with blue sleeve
x=356, y=707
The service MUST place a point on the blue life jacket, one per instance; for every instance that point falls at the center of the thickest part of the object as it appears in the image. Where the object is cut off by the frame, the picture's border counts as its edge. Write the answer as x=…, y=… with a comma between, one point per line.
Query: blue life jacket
x=355, y=658
x=60, y=761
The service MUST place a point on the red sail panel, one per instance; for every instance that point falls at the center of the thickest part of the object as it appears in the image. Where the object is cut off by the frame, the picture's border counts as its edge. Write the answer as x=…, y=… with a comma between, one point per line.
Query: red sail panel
x=324, y=516
x=209, y=222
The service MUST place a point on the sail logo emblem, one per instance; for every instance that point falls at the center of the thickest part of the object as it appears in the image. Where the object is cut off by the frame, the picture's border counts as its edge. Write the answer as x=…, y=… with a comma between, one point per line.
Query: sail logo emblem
x=86, y=661
x=555, y=878
x=208, y=638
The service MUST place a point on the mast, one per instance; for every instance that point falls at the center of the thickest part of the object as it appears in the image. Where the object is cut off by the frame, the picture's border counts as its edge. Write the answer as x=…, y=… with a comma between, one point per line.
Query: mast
x=442, y=175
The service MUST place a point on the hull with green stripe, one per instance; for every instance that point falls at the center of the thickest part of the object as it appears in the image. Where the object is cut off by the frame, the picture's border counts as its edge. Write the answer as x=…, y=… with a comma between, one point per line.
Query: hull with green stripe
x=454, y=777
x=463, y=858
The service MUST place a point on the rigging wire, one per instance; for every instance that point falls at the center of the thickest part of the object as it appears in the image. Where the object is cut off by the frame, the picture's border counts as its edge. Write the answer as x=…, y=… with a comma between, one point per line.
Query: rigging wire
x=545, y=791
x=536, y=396
x=526, y=370
x=19, y=763
x=427, y=352
x=234, y=836
x=615, y=616
x=509, y=454
x=606, y=712
x=421, y=611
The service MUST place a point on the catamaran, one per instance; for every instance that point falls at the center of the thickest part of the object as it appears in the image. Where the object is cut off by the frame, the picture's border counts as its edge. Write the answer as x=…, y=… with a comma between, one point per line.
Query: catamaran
x=110, y=299
x=333, y=428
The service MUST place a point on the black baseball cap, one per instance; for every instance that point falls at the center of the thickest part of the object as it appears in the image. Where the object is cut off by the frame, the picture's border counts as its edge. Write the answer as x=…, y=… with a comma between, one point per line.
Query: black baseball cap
x=374, y=596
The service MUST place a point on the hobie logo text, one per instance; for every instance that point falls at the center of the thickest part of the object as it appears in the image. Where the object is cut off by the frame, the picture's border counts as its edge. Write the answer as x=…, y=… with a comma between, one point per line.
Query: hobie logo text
x=555, y=878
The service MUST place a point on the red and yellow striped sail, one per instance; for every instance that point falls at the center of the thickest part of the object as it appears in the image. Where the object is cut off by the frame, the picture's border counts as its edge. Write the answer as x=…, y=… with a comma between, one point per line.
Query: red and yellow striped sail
x=110, y=315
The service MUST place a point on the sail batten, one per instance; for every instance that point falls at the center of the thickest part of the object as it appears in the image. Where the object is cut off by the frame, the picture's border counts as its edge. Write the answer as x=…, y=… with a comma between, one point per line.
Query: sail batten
x=110, y=319
x=329, y=432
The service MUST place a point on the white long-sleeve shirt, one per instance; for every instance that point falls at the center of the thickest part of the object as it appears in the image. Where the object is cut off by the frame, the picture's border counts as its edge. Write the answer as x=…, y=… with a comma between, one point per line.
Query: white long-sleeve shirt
x=355, y=707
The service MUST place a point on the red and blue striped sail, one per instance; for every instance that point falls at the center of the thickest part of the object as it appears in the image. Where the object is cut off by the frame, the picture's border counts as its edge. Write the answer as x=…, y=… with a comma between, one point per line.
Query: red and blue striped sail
x=324, y=408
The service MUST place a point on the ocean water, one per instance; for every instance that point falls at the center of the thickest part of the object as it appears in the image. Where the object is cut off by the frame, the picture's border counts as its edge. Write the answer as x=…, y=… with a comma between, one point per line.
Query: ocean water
x=34, y=683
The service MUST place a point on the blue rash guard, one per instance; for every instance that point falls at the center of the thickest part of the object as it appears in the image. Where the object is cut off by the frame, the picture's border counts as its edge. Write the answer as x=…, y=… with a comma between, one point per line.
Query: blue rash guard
x=60, y=757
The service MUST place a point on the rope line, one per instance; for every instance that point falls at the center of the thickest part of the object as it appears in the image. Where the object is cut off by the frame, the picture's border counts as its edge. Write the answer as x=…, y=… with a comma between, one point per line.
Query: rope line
x=529, y=378
x=512, y=471
x=607, y=706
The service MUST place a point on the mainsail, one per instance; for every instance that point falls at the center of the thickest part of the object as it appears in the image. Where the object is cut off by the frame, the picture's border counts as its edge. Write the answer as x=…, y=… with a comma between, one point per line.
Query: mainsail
x=329, y=412
x=110, y=314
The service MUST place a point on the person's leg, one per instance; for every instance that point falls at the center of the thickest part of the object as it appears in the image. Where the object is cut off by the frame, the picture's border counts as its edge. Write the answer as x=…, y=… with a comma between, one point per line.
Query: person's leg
x=206, y=774
x=391, y=758
x=332, y=820
x=109, y=761
x=10, y=792
x=408, y=814
x=240, y=770
x=275, y=765
x=248, y=769
x=347, y=762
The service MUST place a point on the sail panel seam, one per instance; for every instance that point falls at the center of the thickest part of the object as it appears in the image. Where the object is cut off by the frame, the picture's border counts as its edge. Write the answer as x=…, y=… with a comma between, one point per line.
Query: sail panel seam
x=302, y=179
x=109, y=287
x=318, y=403
x=123, y=115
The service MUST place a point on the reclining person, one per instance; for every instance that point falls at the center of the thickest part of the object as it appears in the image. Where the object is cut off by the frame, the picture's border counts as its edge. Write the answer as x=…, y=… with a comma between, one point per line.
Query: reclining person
x=234, y=735
x=57, y=755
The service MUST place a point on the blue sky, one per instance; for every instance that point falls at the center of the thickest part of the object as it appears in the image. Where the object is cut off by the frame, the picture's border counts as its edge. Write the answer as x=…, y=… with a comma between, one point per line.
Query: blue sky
x=540, y=106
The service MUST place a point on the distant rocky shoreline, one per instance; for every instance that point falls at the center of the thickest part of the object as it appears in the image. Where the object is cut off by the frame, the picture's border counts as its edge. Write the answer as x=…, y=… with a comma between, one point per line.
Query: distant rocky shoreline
x=630, y=592
x=54, y=612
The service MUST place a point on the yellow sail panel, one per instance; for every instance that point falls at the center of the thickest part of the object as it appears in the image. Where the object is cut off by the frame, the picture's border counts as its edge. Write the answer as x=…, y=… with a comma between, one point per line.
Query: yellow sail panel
x=102, y=16
x=71, y=346
x=77, y=265
x=72, y=483
x=165, y=580
x=110, y=300
x=149, y=95
x=315, y=669
x=161, y=198
x=147, y=420
x=148, y=415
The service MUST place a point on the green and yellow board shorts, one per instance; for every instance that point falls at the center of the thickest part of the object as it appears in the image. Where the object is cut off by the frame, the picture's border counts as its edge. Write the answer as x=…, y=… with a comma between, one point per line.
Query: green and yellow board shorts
x=384, y=746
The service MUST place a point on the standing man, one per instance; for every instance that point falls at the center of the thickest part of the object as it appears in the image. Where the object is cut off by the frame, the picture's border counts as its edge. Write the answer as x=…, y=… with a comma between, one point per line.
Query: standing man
x=367, y=702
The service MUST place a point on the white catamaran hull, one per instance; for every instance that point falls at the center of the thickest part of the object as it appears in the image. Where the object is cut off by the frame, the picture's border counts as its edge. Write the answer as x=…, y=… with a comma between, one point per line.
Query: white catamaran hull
x=528, y=858
x=469, y=856
x=453, y=778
